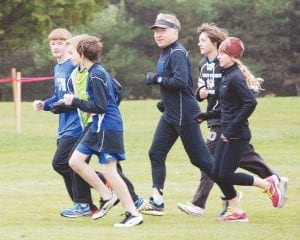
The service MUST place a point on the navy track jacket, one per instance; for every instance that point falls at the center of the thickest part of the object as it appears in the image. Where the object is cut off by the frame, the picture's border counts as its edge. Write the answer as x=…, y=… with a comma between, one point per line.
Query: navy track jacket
x=180, y=104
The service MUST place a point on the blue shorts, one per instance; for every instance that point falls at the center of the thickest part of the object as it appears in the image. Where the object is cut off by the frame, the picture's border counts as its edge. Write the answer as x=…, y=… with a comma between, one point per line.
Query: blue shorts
x=103, y=158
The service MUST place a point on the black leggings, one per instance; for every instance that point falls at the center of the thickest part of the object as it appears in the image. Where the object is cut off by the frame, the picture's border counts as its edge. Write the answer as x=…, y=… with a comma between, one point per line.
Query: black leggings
x=227, y=159
x=251, y=161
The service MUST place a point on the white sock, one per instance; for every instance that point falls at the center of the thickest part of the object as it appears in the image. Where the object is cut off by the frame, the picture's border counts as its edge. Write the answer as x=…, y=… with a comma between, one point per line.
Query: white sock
x=158, y=199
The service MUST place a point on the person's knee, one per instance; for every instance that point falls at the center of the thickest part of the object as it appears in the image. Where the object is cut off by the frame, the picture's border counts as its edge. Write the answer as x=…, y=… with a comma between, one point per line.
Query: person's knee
x=75, y=165
x=151, y=154
x=225, y=177
x=55, y=166
x=155, y=157
x=60, y=167
x=109, y=171
x=195, y=162
x=215, y=176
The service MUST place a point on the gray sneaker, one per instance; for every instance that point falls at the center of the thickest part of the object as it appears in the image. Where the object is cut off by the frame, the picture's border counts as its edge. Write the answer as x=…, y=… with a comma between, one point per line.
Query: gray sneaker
x=283, y=186
x=105, y=206
x=191, y=209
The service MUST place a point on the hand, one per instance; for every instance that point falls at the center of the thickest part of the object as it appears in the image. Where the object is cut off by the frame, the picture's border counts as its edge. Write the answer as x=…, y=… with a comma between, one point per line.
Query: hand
x=151, y=78
x=203, y=93
x=201, y=117
x=68, y=98
x=160, y=106
x=38, y=105
x=223, y=138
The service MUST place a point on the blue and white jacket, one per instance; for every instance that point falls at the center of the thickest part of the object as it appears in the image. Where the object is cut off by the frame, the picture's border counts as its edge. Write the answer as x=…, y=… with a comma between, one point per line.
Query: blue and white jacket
x=101, y=101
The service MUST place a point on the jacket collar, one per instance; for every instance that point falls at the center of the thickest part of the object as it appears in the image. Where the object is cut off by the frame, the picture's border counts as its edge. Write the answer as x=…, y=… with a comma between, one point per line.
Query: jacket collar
x=230, y=69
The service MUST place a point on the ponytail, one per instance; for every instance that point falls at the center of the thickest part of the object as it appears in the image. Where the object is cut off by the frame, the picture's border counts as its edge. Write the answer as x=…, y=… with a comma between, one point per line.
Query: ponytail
x=253, y=82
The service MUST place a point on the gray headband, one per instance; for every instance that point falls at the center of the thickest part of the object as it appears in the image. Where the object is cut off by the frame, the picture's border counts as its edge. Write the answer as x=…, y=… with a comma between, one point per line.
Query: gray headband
x=164, y=24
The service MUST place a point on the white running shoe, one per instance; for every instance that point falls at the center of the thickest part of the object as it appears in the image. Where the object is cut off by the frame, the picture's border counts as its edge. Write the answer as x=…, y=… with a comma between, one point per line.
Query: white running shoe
x=130, y=221
x=191, y=209
x=105, y=206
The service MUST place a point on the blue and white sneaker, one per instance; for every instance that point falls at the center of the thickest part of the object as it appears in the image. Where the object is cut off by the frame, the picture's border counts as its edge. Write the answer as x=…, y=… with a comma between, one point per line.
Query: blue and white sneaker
x=151, y=208
x=78, y=210
x=140, y=203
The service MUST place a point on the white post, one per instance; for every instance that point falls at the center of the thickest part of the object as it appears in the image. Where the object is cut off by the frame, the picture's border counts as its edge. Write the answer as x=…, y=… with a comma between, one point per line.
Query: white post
x=18, y=100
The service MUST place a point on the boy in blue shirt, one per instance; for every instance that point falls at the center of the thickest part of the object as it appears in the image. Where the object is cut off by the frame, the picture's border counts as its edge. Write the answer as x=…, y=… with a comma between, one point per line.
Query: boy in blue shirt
x=69, y=128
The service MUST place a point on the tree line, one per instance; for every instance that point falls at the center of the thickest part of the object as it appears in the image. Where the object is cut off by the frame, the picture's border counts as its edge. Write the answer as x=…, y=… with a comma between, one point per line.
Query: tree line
x=269, y=29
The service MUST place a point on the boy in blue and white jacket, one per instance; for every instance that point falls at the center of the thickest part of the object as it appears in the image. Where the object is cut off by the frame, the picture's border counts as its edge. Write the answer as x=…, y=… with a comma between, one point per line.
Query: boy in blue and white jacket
x=104, y=137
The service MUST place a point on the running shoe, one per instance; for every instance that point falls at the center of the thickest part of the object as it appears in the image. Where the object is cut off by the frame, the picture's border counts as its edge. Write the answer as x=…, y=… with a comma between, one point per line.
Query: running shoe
x=231, y=216
x=151, y=208
x=273, y=190
x=225, y=203
x=283, y=186
x=130, y=221
x=78, y=210
x=140, y=203
x=105, y=206
x=191, y=209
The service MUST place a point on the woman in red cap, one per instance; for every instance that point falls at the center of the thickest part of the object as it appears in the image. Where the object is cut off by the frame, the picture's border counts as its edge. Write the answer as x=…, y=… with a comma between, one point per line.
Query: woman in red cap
x=237, y=104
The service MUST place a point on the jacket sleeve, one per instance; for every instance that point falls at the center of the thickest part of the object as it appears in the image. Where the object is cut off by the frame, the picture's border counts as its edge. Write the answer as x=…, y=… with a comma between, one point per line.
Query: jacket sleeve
x=248, y=104
x=197, y=93
x=100, y=90
x=180, y=72
x=49, y=101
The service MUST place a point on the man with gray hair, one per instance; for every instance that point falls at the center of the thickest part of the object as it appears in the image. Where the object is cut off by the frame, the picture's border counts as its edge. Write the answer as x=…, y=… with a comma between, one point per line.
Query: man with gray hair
x=173, y=75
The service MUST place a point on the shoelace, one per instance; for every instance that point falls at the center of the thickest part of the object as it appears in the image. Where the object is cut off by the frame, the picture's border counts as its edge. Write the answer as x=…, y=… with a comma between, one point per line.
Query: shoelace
x=127, y=215
x=224, y=206
x=267, y=192
x=228, y=211
x=102, y=202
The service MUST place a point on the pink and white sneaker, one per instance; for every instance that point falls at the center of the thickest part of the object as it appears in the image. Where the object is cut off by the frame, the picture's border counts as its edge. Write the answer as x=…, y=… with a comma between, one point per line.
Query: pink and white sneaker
x=233, y=217
x=273, y=190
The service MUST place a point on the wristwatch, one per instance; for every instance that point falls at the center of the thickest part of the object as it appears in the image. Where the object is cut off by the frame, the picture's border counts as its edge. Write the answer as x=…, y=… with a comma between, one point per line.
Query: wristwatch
x=159, y=79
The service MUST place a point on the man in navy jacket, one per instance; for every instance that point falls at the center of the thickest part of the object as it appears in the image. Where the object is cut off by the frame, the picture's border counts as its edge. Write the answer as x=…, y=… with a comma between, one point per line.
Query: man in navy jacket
x=173, y=75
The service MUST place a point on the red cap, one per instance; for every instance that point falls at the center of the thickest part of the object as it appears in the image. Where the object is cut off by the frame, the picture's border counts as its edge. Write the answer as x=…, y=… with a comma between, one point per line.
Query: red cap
x=233, y=47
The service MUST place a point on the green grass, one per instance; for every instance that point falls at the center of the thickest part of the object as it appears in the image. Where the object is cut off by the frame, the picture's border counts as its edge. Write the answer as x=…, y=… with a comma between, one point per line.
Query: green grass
x=32, y=194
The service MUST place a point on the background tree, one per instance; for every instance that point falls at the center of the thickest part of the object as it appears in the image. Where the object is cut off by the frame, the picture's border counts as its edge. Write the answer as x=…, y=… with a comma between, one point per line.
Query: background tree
x=26, y=22
x=269, y=29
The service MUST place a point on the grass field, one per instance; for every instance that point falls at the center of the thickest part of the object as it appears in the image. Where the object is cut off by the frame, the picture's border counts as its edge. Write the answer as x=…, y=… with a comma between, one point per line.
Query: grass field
x=32, y=194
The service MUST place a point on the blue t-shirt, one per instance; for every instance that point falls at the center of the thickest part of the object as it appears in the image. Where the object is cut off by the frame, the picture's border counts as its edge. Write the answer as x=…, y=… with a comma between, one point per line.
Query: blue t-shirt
x=69, y=122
